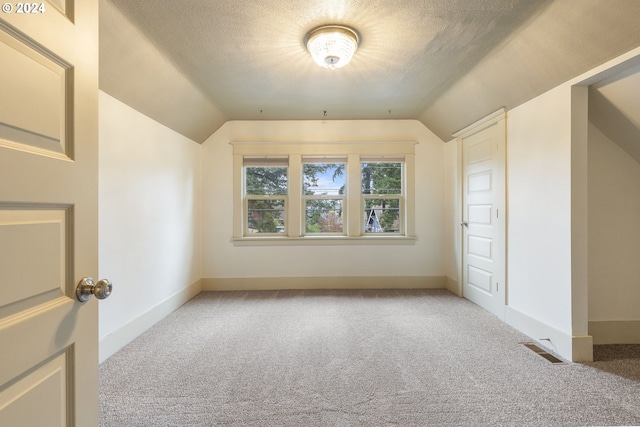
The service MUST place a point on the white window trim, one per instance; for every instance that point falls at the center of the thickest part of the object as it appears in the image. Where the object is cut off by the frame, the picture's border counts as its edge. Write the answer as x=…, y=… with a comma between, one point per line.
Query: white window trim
x=354, y=224
x=266, y=161
x=342, y=197
x=401, y=197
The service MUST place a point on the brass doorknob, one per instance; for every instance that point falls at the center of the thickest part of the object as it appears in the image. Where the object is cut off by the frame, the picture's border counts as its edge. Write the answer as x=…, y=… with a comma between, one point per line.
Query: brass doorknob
x=88, y=287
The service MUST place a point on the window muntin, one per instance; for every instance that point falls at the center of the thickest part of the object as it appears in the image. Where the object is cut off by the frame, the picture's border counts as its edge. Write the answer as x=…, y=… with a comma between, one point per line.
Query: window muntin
x=266, y=180
x=324, y=216
x=323, y=188
x=265, y=216
x=380, y=177
x=265, y=190
x=382, y=215
x=294, y=156
x=382, y=196
x=322, y=178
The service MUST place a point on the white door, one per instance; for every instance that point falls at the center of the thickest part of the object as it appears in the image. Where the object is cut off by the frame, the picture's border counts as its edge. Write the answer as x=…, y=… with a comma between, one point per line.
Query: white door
x=48, y=213
x=483, y=216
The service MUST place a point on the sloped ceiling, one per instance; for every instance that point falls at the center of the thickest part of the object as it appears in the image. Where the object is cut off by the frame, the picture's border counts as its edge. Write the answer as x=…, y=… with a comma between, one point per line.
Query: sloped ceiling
x=614, y=108
x=194, y=64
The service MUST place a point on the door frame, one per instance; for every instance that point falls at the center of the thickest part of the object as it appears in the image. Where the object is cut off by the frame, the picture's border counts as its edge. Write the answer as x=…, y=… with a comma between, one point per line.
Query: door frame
x=494, y=118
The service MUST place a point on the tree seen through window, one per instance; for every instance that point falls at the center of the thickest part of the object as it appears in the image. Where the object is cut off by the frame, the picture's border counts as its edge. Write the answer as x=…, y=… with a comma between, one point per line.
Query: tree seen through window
x=323, y=188
x=324, y=197
x=265, y=187
x=382, y=190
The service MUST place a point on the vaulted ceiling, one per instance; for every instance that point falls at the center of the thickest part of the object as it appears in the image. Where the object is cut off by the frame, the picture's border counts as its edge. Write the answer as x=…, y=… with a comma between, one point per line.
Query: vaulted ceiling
x=614, y=108
x=194, y=64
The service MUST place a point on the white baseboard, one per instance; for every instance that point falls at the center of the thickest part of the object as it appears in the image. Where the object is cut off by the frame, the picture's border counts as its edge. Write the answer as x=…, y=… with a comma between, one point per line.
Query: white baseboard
x=342, y=282
x=615, y=331
x=113, y=342
x=453, y=286
x=573, y=348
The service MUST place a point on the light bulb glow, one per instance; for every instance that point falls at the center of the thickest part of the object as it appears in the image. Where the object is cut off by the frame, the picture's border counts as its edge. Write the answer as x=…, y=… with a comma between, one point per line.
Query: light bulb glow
x=332, y=46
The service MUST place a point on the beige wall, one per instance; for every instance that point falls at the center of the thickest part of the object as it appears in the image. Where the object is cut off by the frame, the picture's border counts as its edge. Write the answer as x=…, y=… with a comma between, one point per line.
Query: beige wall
x=154, y=183
x=539, y=208
x=149, y=237
x=539, y=218
x=614, y=235
x=551, y=254
x=223, y=259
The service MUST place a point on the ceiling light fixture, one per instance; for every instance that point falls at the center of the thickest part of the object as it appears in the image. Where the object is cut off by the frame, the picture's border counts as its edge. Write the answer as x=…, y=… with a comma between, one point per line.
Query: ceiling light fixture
x=332, y=46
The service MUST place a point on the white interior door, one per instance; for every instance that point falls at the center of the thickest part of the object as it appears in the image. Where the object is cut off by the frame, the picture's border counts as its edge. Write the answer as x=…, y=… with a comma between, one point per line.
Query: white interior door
x=48, y=213
x=483, y=216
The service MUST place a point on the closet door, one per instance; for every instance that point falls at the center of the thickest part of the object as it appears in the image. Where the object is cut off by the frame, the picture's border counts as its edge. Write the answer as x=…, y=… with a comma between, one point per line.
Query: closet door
x=483, y=216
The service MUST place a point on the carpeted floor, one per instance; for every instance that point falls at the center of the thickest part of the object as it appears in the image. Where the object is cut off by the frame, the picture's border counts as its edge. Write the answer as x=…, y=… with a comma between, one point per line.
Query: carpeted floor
x=355, y=358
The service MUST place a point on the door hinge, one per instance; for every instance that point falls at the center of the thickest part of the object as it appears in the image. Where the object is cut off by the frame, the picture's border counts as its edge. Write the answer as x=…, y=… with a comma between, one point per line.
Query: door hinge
x=497, y=287
x=497, y=213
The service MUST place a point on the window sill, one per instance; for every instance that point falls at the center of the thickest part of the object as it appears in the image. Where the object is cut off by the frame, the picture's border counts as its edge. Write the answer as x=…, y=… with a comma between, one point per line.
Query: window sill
x=323, y=240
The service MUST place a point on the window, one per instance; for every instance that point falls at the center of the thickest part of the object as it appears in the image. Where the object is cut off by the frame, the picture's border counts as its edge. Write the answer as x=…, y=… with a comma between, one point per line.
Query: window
x=382, y=196
x=357, y=191
x=266, y=187
x=323, y=195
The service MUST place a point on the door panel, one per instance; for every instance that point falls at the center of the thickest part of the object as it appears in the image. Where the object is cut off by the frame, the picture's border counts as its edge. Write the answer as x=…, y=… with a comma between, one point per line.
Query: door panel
x=479, y=215
x=45, y=388
x=480, y=247
x=479, y=278
x=483, y=228
x=32, y=250
x=42, y=83
x=479, y=182
x=48, y=215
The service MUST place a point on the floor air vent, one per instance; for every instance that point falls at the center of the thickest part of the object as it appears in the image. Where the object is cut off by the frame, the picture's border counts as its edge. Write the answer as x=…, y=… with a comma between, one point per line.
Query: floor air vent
x=543, y=353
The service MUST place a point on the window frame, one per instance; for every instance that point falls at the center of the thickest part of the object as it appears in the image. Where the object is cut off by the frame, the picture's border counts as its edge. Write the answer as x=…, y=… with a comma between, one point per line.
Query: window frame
x=248, y=198
x=264, y=161
x=314, y=160
x=353, y=204
x=401, y=209
x=385, y=196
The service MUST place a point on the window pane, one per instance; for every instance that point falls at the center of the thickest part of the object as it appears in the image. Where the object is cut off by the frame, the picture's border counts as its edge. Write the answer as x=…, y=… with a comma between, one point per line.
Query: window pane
x=324, y=216
x=323, y=179
x=381, y=178
x=265, y=180
x=382, y=215
x=265, y=216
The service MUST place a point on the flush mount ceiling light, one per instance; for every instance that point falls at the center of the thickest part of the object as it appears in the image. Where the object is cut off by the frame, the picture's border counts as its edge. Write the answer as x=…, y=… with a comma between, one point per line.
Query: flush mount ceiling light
x=332, y=46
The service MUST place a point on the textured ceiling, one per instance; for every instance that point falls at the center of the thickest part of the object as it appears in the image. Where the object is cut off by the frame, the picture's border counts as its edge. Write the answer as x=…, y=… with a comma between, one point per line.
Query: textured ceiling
x=614, y=107
x=444, y=62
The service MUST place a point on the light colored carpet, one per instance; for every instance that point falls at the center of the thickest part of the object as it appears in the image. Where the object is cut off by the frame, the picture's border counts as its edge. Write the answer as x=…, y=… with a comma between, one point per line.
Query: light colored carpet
x=351, y=358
